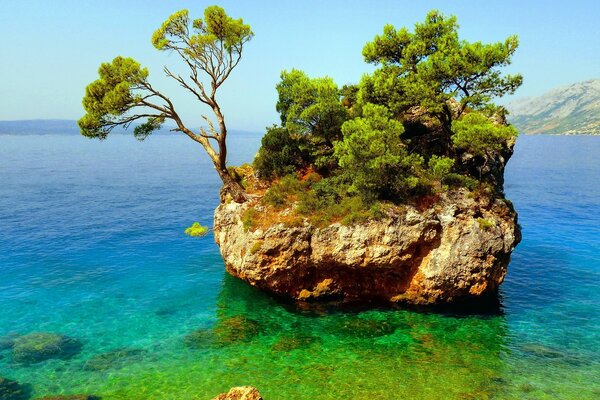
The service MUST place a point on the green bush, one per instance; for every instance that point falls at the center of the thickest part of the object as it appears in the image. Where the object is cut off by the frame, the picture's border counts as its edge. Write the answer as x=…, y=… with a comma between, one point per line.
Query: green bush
x=249, y=218
x=477, y=134
x=196, y=230
x=375, y=158
x=440, y=166
x=279, y=193
x=280, y=154
x=458, y=180
x=485, y=224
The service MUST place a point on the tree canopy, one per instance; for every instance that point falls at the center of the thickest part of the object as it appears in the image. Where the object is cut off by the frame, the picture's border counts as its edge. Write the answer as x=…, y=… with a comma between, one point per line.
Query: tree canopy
x=431, y=66
x=403, y=130
x=210, y=48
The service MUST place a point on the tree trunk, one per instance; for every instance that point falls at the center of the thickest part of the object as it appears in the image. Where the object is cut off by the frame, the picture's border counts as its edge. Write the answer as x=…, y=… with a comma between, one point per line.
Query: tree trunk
x=231, y=187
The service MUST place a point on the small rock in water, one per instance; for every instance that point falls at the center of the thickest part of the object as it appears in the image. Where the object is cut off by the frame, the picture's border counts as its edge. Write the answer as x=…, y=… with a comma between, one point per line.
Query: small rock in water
x=113, y=359
x=41, y=346
x=240, y=393
x=12, y=390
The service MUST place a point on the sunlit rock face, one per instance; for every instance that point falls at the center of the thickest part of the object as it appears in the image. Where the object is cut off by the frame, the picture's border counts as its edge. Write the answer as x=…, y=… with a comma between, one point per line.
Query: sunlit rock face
x=240, y=393
x=456, y=248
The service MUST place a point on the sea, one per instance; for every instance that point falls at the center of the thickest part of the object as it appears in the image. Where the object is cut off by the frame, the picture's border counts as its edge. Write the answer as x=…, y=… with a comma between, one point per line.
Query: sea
x=92, y=247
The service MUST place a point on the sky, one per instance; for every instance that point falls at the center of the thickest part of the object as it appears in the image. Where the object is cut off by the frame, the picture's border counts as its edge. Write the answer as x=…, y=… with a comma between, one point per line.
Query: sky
x=52, y=50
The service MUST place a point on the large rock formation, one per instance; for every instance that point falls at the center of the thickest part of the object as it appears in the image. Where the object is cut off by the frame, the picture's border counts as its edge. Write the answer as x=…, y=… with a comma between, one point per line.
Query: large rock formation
x=457, y=247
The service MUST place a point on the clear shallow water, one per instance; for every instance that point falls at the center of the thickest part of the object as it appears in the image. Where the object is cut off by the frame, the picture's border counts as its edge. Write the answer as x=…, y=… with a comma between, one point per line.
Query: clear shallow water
x=92, y=246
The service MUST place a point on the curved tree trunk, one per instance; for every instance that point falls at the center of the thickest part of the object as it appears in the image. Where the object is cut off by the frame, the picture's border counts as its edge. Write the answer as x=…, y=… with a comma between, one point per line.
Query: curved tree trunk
x=231, y=187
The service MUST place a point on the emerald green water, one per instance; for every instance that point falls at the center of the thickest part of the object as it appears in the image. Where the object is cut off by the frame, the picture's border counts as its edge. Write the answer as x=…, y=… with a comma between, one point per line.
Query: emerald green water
x=105, y=261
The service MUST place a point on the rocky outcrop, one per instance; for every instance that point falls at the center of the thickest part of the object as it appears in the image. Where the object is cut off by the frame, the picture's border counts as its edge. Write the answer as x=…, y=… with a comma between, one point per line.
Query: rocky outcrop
x=240, y=393
x=457, y=247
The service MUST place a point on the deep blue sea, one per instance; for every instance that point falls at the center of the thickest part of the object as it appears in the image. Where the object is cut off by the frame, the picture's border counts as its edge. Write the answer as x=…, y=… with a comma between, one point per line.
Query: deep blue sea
x=92, y=247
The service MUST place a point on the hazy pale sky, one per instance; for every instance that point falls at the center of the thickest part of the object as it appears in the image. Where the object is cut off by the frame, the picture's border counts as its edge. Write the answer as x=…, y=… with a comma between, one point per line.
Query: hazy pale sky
x=52, y=50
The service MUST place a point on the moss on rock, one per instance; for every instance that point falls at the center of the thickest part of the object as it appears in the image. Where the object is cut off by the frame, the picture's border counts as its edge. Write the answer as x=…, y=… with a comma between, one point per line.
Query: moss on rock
x=228, y=331
x=41, y=346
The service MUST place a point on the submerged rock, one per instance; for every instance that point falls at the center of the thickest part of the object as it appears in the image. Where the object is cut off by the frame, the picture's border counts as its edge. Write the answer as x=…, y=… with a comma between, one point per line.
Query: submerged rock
x=288, y=343
x=227, y=331
x=8, y=341
x=362, y=328
x=457, y=247
x=12, y=390
x=113, y=359
x=40, y=346
x=240, y=393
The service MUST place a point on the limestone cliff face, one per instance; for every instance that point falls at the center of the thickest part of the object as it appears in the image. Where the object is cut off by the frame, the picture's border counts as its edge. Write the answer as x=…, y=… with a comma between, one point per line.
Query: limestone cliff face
x=457, y=248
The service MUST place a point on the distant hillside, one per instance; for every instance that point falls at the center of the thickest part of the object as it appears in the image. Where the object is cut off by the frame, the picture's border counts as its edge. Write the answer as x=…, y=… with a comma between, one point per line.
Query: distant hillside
x=69, y=127
x=569, y=110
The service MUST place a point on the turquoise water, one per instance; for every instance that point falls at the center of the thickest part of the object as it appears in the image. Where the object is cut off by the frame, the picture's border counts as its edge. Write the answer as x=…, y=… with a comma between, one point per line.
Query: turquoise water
x=92, y=246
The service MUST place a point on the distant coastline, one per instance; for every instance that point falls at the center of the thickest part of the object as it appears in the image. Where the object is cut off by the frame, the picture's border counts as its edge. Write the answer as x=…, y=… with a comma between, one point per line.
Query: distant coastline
x=69, y=127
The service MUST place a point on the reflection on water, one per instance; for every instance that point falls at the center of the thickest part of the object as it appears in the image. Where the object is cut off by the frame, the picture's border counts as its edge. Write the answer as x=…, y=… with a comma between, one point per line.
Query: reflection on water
x=157, y=318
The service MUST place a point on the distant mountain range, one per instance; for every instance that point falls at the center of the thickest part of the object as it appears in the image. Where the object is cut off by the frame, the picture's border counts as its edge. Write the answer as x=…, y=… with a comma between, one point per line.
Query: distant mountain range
x=569, y=110
x=68, y=127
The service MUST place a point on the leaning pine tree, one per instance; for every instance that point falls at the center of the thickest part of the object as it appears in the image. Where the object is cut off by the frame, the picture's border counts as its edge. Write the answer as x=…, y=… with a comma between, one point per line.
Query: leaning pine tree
x=211, y=48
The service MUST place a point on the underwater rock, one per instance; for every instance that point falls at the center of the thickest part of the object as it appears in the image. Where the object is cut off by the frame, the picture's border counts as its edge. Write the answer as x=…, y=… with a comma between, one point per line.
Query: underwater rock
x=8, y=341
x=227, y=331
x=40, y=346
x=456, y=248
x=113, y=359
x=12, y=390
x=542, y=351
x=240, y=393
x=70, y=397
x=363, y=328
x=288, y=343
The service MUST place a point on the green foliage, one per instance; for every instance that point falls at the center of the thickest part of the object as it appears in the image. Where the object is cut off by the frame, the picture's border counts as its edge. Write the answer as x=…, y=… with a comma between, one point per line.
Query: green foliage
x=249, y=218
x=280, y=153
x=477, y=134
x=144, y=130
x=256, y=247
x=313, y=108
x=458, y=180
x=374, y=155
x=440, y=166
x=346, y=209
x=111, y=96
x=429, y=82
x=431, y=65
x=310, y=106
x=215, y=30
x=210, y=48
x=280, y=193
x=485, y=224
x=196, y=230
